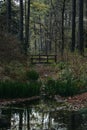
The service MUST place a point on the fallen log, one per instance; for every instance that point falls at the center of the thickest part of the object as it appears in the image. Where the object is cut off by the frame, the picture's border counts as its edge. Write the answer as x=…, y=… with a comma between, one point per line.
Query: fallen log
x=4, y=102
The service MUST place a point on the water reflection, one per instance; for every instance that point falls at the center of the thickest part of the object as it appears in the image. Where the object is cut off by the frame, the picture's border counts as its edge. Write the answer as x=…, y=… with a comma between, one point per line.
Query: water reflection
x=35, y=118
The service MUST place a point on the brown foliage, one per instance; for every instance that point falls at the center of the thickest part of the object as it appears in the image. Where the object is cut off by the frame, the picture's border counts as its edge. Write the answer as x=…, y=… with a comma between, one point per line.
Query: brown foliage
x=9, y=47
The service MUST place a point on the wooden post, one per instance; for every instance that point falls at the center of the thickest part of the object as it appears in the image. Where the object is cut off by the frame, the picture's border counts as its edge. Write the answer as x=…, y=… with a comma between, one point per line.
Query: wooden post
x=39, y=58
x=55, y=58
x=47, y=58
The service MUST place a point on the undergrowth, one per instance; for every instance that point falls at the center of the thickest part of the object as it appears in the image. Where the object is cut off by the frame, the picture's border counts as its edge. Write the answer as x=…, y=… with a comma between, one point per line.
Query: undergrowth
x=9, y=89
x=68, y=77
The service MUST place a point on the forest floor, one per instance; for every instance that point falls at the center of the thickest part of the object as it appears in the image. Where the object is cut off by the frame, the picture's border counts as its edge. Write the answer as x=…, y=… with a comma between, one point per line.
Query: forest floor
x=74, y=103
x=79, y=101
x=16, y=71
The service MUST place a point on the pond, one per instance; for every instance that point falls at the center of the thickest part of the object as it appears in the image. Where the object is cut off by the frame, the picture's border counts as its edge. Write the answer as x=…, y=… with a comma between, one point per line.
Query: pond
x=41, y=116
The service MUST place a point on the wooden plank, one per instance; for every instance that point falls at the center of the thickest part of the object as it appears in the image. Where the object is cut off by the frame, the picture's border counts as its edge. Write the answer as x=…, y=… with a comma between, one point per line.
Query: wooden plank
x=43, y=55
x=43, y=58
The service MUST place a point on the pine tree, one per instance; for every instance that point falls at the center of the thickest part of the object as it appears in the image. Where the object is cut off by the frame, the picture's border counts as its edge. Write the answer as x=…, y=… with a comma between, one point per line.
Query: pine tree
x=9, y=15
x=80, y=31
x=21, y=25
x=73, y=24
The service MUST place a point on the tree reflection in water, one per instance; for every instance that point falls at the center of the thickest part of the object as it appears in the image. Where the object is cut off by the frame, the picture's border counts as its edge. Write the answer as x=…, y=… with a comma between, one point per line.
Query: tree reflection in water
x=38, y=119
x=20, y=120
x=28, y=119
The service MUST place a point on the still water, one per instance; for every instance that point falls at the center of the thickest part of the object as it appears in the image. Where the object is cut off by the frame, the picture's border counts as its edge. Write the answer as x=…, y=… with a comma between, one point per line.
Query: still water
x=41, y=117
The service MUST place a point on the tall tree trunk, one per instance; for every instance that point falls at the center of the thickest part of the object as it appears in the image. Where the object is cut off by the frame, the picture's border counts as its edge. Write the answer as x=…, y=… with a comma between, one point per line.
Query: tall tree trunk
x=73, y=24
x=27, y=28
x=9, y=15
x=80, y=32
x=21, y=22
x=45, y=37
x=40, y=31
x=62, y=44
x=50, y=27
x=35, y=41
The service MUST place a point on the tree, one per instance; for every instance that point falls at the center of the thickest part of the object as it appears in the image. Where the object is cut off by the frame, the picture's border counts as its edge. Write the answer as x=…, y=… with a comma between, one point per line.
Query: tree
x=73, y=24
x=62, y=29
x=80, y=30
x=21, y=25
x=9, y=15
x=27, y=20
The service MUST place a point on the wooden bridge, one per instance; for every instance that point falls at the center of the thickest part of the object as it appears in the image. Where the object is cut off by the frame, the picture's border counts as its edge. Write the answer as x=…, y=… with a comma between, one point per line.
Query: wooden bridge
x=43, y=59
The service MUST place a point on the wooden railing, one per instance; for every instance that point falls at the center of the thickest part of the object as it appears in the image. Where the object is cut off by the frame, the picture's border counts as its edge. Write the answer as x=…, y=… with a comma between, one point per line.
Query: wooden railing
x=43, y=59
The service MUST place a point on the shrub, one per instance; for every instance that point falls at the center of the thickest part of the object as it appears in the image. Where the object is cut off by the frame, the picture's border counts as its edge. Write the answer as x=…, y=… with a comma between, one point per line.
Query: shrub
x=50, y=87
x=9, y=89
x=62, y=65
x=32, y=75
x=10, y=48
x=66, y=87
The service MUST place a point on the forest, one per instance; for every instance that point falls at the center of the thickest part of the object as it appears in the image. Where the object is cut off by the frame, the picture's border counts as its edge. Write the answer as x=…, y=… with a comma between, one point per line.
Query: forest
x=44, y=39
x=43, y=27
x=45, y=42
x=43, y=64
